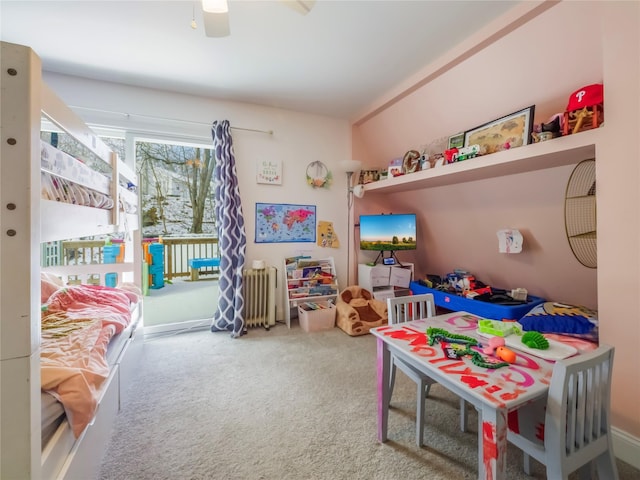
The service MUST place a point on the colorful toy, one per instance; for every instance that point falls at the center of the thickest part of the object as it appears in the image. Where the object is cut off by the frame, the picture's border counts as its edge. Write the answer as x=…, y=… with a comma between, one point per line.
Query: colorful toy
x=497, y=347
x=506, y=354
x=495, y=327
x=535, y=339
x=463, y=347
x=494, y=342
x=585, y=109
x=466, y=153
x=450, y=155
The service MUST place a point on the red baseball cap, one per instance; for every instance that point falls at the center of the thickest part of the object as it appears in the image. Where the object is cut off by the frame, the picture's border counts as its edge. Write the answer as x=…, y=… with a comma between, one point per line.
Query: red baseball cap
x=586, y=97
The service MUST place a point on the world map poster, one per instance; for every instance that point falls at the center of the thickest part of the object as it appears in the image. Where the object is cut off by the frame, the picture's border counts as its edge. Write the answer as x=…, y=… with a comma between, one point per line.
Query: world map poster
x=280, y=222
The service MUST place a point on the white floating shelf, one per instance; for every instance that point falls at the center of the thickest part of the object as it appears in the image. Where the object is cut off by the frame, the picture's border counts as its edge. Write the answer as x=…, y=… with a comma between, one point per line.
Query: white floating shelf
x=567, y=150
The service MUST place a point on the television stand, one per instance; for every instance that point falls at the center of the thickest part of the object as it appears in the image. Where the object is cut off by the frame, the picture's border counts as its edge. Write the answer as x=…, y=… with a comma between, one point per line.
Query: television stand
x=385, y=260
x=385, y=281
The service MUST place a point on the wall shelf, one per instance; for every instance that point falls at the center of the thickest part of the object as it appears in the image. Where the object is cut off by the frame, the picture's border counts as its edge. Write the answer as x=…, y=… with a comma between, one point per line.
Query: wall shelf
x=558, y=152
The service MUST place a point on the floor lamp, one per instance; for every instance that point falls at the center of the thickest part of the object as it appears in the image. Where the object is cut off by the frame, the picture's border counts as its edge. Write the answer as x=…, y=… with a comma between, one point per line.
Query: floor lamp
x=350, y=167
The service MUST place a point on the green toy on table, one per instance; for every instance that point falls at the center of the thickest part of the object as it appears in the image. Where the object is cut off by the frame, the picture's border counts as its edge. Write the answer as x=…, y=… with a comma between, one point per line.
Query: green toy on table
x=462, y=348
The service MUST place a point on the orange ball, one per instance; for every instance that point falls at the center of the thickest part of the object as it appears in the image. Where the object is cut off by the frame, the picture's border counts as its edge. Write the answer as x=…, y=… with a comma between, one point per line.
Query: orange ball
x=506, y=355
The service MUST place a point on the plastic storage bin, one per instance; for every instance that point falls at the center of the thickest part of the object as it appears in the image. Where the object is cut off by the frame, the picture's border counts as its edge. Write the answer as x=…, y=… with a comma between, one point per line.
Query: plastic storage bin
x=111, y=279
x=492, y=311
x=317, y=316
x=156, y=266
x=111, y=253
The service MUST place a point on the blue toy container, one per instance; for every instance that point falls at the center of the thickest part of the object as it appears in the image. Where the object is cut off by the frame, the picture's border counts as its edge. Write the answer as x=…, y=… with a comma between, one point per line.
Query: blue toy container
x=111, y=279
x=110, y=253
x=156, y=280
x=491, y=311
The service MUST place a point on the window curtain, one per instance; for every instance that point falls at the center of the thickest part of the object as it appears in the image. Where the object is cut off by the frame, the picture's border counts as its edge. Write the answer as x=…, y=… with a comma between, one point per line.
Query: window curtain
x=232, y=240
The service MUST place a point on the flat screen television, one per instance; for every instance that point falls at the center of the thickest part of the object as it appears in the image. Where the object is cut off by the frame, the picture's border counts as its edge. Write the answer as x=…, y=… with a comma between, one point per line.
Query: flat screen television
x=388, y=233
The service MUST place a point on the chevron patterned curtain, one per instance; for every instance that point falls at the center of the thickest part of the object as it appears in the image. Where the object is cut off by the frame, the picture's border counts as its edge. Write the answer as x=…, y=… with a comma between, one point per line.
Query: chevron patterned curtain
x=232, y=239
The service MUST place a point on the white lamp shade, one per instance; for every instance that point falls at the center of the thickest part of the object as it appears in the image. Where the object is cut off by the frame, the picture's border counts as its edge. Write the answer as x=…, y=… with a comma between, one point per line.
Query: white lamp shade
x=350, y=166
x=358, y=191
x=215, y=6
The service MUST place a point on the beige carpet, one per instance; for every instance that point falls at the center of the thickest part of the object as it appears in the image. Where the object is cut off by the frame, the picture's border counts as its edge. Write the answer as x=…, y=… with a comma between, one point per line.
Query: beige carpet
x=283, y=404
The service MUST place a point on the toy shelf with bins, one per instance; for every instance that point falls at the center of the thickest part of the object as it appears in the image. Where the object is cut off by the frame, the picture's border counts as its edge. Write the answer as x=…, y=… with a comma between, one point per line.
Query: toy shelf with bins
x=567, y=150
x=308, y=280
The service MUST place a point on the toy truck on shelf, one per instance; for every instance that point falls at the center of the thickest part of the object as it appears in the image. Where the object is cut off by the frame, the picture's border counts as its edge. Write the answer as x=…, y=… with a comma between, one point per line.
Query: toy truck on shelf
x=463, y=153
x=466, y=153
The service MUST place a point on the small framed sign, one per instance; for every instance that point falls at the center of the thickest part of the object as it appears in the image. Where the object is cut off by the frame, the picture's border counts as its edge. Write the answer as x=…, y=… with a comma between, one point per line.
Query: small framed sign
x=269, y=172
x=456, y=141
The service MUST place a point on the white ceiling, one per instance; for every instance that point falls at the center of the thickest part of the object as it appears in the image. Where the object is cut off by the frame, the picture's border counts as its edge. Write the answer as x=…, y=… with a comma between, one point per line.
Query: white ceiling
x=334, y=61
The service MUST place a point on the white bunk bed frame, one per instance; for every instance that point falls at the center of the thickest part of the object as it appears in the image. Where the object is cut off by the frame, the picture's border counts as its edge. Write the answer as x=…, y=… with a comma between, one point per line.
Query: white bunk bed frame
x=26, y=221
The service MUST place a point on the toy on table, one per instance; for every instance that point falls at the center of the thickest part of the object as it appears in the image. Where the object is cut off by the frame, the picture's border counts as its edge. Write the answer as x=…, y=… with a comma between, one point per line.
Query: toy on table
x=463, y=347
x=535, y=339
x=495, y=327
x=496, y=346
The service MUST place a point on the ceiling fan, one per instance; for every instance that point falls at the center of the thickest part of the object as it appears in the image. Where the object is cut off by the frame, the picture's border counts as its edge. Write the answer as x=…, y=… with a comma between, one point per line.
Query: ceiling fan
x=216, y=14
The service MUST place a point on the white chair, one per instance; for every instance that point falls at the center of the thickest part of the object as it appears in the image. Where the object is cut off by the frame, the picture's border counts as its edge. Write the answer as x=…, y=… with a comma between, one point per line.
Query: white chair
x=404, y=309
x=575, y=423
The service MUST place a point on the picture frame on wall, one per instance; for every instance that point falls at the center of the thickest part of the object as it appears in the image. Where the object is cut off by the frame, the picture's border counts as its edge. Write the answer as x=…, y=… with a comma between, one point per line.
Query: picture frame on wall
x=368, y=176
x=456, y=141
x=510, y=131
x=269, y=172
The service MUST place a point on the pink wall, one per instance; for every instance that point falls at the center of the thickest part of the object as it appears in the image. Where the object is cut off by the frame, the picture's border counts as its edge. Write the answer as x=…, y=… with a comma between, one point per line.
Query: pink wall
x=618, y=175
x=570, y=45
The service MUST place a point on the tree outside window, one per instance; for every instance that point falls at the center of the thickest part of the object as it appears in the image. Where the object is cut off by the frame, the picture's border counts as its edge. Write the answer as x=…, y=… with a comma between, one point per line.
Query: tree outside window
x=176, y=188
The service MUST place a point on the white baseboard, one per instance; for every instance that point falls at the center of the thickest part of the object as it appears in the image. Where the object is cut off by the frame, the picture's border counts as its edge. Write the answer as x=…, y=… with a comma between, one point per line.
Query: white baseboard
x=626, y=447
x=177, y=327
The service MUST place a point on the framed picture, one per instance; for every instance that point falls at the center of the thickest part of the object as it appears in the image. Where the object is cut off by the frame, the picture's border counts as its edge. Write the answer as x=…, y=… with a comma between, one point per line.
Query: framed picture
x=368, y=176
x=277, y=223
x=269, y=172
x=510, y=131
x=456, y=141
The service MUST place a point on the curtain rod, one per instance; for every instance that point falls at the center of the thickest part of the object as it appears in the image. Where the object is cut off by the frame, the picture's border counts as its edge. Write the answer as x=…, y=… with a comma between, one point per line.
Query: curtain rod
x=151, y=117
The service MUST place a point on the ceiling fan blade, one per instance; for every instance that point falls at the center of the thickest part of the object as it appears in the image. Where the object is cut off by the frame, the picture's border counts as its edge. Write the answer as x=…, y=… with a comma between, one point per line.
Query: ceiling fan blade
x=216, y=24
x=300, y=6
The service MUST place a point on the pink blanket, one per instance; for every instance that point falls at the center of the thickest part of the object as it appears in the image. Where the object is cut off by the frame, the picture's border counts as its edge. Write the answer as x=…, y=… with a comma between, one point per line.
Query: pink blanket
x=77, y=324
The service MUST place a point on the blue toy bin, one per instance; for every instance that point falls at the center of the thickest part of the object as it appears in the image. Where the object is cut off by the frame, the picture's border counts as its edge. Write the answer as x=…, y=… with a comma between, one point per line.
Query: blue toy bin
x=488, y=310
x=111, y=279
x=110, y=253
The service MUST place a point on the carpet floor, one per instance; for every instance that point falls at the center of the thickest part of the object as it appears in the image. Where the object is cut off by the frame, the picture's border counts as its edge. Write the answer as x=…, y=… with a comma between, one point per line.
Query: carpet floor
x=284, y=405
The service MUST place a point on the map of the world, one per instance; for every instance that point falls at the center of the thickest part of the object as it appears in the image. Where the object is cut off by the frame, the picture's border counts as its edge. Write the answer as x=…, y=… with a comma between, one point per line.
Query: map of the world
x=277, y=222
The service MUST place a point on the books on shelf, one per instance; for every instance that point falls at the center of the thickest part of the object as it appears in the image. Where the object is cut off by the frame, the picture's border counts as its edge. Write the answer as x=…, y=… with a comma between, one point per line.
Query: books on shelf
x=314, y=306
x=311, y=284
x=304, y=269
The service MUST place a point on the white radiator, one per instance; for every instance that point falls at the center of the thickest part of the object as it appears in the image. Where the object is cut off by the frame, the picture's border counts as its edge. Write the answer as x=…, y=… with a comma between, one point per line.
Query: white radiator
x=259, y=291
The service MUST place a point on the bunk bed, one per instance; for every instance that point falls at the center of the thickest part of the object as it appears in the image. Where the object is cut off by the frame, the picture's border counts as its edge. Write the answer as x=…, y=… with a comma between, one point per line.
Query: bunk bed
x=66, y=200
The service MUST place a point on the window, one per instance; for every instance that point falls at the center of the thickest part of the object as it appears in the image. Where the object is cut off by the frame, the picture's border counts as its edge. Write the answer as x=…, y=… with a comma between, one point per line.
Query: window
x=176, y=188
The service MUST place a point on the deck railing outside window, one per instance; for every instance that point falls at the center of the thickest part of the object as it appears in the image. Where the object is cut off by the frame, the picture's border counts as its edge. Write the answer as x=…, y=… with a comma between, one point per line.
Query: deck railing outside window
x=177, y=253
x=179, y=250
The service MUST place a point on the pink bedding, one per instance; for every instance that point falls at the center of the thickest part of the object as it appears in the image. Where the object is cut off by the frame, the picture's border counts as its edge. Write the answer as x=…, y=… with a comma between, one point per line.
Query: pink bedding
x=77, y=324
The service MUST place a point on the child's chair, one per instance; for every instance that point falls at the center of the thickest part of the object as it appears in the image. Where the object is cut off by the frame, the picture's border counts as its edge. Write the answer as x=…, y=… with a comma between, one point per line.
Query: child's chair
x=357, y=311
x=575, y=429
x=404, y=309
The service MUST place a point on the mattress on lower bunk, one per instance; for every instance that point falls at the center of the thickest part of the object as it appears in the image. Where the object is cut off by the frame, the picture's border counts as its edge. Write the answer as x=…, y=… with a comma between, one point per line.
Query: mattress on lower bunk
x=51, y=417
x=84, y=329
x=52, y=411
